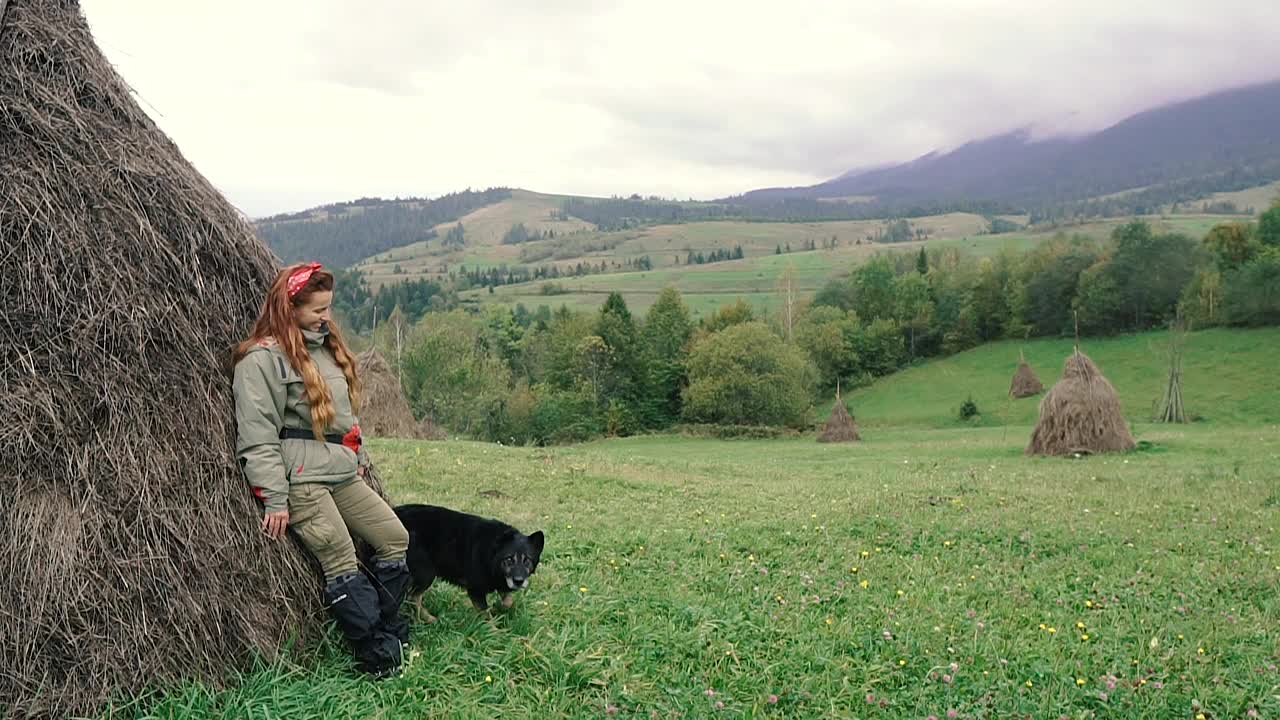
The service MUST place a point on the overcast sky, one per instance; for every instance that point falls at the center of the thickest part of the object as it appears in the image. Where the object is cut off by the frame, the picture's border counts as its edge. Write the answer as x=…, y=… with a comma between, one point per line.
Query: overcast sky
x=286, y=104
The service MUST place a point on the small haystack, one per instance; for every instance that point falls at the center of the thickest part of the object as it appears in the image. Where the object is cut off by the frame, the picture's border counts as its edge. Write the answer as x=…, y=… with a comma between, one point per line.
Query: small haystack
x=840, y=426
x=130, y=549
x=384, y=411
x=1025, y=383
x=1081, y=414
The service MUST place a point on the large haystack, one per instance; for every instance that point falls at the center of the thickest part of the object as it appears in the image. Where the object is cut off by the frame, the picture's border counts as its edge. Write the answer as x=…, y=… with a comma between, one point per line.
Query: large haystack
x=840, y=426
x=1025, y=383
x=385, y=412
x=1081, y=414
x=130, y=553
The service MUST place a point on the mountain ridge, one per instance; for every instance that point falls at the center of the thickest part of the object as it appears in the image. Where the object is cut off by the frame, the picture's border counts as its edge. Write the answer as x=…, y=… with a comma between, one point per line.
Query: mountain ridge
x=1196, y=137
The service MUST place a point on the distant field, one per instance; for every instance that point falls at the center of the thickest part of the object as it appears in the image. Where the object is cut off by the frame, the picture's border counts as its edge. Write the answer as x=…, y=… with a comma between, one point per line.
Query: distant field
x=708, y=286
x=1228, y=379
x=705, y=287
x=755, y=279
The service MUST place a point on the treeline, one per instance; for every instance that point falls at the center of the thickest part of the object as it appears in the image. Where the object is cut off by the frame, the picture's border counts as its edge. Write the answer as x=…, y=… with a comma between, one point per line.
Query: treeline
x=634, y=212
x=360, y=309
x=520, y=234
x=543, y=377
x=519, y=377
x=505, y=275
x=353, y=231
x=1153, y=200
x=716, y=255
x=1167, y=190
x=944, y=302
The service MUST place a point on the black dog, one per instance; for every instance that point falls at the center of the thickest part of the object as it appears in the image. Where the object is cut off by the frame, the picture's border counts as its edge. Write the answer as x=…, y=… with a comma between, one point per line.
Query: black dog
x=477, y=554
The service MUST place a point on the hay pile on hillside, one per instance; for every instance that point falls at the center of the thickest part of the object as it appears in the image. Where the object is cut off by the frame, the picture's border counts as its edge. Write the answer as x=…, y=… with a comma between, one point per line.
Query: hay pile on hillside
x=840, y=426
x=130, y=553
x=384, y=412
x=1025, y=383
x=1081, y=414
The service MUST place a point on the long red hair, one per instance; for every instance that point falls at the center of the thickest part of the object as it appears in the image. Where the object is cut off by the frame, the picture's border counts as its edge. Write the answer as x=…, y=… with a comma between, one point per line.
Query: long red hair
x=276, y=323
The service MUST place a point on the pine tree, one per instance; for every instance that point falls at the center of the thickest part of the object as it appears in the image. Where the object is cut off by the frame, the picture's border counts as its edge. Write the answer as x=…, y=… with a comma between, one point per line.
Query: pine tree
x=666, y=333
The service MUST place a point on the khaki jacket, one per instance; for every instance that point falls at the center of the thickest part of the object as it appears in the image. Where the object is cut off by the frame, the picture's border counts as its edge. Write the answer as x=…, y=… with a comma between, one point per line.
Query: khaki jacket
x=270, y=396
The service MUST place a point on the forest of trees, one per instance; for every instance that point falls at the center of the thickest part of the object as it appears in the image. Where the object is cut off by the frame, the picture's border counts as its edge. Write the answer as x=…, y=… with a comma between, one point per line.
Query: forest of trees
x=519, y=377
x=359, y=309
x=1152, y=200
x=361, y=229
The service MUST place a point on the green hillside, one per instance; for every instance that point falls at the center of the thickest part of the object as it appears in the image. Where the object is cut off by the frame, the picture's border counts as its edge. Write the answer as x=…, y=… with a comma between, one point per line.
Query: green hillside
x=1228, y=379
x=755, y=278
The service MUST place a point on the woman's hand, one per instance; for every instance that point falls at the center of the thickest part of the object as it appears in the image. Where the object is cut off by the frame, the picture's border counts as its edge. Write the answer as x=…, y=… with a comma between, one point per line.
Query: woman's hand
x=274, y=524
x=362, y=472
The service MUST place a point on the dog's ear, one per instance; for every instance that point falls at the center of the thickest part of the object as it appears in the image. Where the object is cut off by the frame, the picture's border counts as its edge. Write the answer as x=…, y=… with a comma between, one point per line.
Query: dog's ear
x=536, y=541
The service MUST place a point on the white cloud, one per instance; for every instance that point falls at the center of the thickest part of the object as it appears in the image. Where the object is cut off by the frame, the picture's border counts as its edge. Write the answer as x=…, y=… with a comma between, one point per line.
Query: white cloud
x=287, y=104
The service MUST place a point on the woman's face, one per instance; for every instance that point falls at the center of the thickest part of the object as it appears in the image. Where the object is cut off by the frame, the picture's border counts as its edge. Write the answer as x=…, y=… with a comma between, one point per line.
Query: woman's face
x=314, y=312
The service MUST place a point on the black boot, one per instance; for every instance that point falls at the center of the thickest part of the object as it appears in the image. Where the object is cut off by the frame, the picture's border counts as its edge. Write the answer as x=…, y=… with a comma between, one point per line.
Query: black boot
x=391, y=579
x=354, y=605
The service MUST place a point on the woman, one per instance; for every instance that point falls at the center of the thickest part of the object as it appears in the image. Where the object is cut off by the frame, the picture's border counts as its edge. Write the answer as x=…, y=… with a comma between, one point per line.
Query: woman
x=298, y=441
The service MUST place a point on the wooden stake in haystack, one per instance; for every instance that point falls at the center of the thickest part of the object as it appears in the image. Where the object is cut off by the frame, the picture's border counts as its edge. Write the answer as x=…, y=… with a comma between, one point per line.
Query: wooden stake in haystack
x=1025, y=383
x=1172, y=409
x=840, y=426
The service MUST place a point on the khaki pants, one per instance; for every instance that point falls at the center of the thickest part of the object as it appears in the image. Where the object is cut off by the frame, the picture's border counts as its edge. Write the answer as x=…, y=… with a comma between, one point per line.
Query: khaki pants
x=325, y=516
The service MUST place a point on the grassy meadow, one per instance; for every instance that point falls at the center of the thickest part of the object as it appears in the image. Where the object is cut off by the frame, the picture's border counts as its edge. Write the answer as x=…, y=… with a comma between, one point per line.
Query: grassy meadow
x=1225, y=380
x=931, y=570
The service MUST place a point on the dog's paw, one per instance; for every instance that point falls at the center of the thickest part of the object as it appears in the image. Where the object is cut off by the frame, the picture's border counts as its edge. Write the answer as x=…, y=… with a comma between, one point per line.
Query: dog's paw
x=508, y=600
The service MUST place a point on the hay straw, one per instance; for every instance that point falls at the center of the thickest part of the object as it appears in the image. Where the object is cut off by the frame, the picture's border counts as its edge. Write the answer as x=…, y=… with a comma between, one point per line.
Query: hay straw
x=1081, y=414
x=840, y=426
x=384, y=412
x=1025, y=383
x=130, y=555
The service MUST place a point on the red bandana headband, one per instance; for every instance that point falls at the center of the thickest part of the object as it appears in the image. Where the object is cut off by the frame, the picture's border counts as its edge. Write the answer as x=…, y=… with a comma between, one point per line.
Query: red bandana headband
x=299, y=278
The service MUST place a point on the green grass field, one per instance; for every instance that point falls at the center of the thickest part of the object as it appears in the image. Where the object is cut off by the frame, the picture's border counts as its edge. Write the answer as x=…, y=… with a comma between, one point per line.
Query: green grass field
x=917, y=573
x=1226, y=380
x=928, y=570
